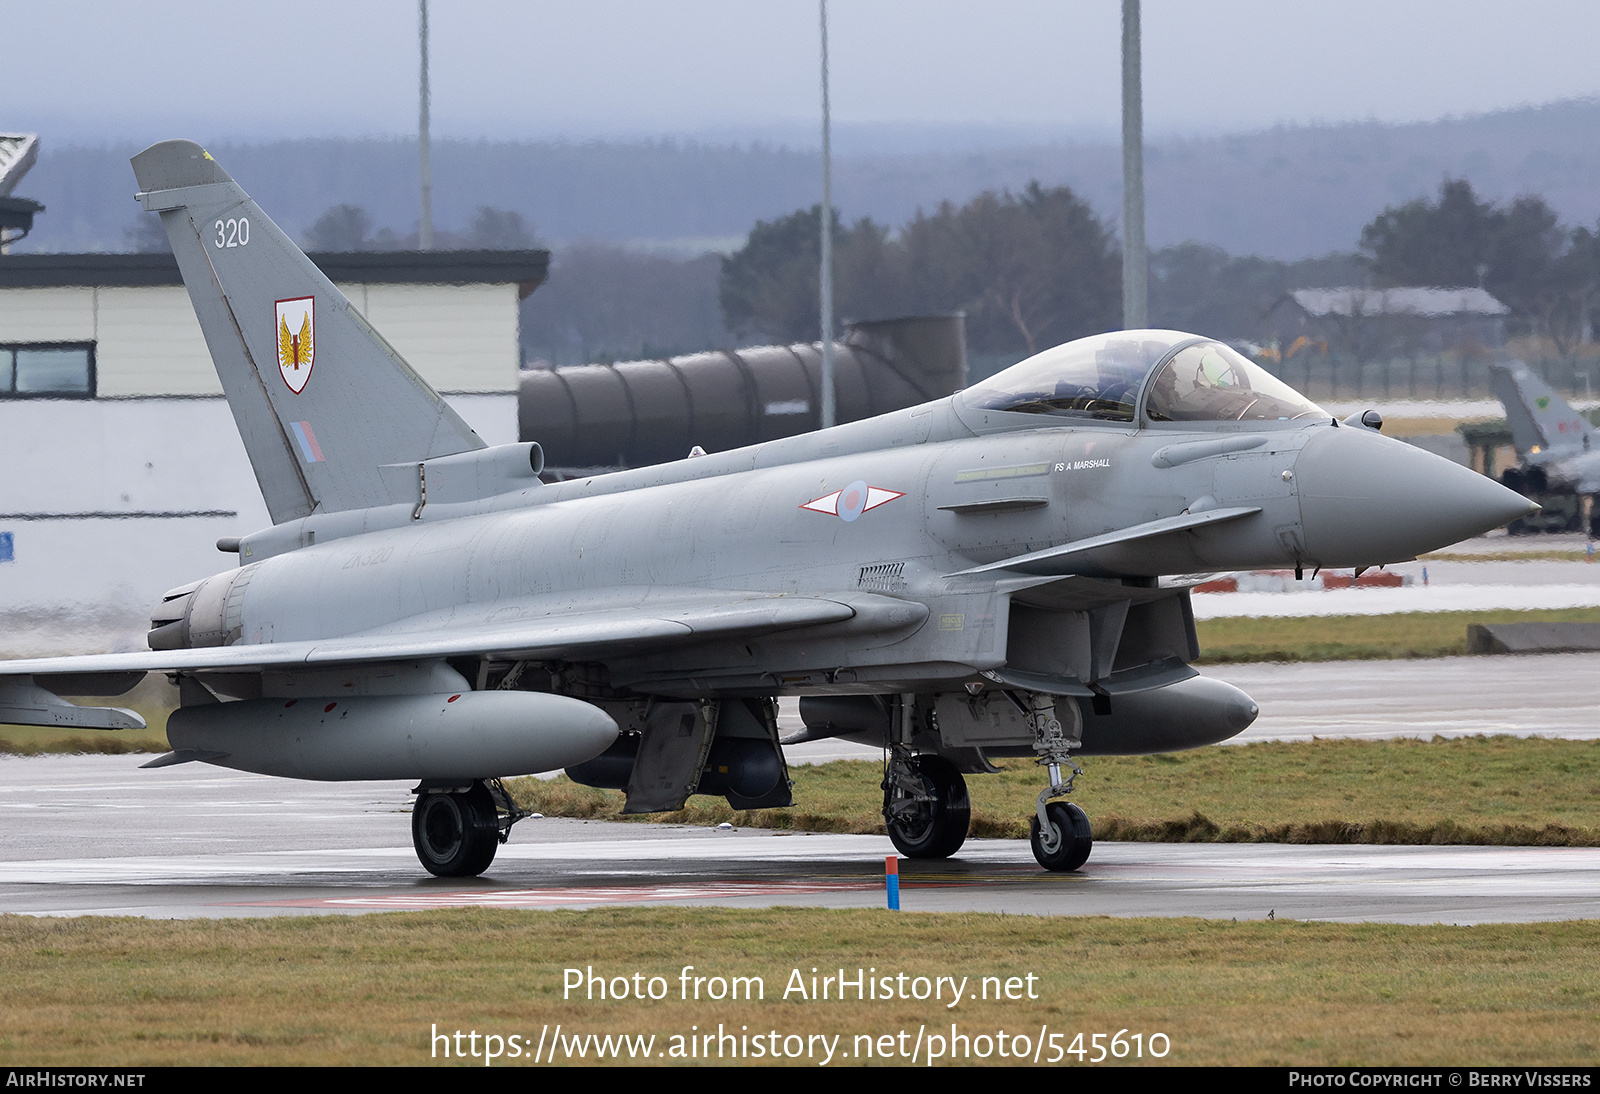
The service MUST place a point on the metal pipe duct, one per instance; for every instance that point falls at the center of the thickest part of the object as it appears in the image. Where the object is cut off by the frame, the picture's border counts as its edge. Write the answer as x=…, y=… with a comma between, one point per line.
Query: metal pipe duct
x=635, y=413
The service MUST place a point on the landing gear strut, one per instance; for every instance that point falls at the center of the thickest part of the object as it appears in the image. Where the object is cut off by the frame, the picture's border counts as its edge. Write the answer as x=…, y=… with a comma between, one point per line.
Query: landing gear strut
x=456, y=829
x=1059, y=833
x=925, y=804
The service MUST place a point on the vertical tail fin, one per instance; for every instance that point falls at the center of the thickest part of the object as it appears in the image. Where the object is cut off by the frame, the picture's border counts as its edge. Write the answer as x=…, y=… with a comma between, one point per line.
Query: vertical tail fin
x=1539, y=418
x=321, y=400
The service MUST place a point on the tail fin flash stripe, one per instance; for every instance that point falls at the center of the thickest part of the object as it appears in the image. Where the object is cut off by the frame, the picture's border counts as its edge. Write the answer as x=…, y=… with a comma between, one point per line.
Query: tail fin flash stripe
x=308, y=441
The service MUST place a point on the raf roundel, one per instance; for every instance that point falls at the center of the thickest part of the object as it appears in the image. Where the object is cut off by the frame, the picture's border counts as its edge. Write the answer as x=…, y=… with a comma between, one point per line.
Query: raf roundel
x=297, y=340
x=852, y=501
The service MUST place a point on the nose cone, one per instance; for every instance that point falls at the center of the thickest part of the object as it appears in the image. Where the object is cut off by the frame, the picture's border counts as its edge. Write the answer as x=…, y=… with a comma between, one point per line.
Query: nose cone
x=1368, y=499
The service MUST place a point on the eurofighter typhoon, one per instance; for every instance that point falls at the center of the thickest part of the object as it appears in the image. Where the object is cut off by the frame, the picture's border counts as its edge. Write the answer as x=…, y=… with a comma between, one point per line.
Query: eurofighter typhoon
x=1558, y=448
x=1004, y=572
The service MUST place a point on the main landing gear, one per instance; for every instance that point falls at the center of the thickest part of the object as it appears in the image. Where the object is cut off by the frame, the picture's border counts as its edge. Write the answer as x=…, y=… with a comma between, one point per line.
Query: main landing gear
x=925, y=804
x=456, y=828
x=1059, y=833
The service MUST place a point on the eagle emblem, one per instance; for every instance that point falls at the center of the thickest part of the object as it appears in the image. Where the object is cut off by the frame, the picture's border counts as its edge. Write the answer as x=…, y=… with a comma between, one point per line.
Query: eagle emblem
x=297, y=342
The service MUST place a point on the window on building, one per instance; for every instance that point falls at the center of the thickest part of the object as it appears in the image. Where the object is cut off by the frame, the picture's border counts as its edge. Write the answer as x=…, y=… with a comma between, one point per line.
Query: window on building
x=61, y=370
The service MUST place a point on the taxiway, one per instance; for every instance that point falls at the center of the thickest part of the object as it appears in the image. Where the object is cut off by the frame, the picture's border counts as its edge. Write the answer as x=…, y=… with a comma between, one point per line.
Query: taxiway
x=91, y=835
x=96, y=835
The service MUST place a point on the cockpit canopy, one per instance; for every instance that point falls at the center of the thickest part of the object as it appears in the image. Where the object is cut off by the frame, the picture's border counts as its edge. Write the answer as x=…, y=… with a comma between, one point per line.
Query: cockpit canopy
x=1181, y=378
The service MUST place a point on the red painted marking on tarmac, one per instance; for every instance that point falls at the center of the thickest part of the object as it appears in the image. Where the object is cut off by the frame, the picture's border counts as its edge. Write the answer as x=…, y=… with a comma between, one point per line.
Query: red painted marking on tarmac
x=625, y=894
x=555, y=898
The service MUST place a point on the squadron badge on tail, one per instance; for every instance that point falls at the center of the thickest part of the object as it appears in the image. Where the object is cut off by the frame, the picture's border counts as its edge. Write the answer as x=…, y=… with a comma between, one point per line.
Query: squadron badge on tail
x=297, y=347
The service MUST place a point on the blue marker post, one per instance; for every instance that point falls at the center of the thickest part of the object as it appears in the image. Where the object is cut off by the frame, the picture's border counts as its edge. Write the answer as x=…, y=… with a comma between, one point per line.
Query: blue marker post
x=891, y=873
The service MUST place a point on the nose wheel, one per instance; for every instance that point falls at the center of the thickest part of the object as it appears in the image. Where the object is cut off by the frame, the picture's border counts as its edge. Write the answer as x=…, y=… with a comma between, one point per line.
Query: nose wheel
x=1064, y=841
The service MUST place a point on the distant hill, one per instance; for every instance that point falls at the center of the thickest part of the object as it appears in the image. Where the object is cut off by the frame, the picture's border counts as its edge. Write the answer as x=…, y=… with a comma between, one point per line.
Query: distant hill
x=1285, y=193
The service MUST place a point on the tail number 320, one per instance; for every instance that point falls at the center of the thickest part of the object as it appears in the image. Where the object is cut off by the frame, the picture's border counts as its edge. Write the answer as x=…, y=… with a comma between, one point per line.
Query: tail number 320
x=233, y=232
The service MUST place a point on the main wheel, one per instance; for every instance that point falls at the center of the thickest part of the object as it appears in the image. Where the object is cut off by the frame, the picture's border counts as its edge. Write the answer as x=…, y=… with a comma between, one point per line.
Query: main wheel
x=1071, y=839
x=937, y=828
x=455, y=834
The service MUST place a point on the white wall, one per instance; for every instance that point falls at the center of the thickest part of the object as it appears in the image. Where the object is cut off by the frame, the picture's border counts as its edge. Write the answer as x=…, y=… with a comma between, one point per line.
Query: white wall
x=460, y=338
x=49, y=315
x=148, y=342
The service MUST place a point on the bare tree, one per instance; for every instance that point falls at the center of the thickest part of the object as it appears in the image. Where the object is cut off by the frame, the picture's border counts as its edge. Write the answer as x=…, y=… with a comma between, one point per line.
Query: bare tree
x=499, y=230
x=341, y=228
x=147, y=236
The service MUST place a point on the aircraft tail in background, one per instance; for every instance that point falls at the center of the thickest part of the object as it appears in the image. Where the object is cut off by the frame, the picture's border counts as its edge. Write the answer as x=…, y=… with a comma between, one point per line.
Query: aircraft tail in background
x=321, y=400
x=1540, y=420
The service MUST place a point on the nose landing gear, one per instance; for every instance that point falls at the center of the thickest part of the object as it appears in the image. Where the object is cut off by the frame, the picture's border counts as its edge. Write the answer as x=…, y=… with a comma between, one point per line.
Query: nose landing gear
x=1059, y=832
x=1062, y=840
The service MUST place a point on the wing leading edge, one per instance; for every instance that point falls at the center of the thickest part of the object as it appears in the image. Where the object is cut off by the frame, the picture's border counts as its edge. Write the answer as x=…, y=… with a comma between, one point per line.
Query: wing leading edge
x=658, y=622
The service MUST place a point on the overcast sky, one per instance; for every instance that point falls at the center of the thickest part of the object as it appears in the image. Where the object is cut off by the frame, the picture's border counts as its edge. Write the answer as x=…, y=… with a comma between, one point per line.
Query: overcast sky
x=113, y=71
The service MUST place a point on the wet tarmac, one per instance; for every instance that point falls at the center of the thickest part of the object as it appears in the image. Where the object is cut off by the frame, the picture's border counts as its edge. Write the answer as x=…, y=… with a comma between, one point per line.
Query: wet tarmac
x=96, y=835
x=572, y=864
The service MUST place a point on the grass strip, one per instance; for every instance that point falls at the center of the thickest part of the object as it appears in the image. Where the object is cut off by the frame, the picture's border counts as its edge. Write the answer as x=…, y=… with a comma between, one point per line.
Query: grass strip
x=1504, y=791
x=153, y=699
x=373, y=989
x=1396, y=636
x=46, y=740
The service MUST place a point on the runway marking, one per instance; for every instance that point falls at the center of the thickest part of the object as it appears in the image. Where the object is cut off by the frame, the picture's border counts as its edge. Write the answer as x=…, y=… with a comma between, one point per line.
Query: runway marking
x=547, y=898
x=610, y=894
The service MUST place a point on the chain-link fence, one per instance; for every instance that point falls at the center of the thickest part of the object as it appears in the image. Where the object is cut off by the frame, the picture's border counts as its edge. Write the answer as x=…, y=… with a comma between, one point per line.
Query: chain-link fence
x=1333, y=378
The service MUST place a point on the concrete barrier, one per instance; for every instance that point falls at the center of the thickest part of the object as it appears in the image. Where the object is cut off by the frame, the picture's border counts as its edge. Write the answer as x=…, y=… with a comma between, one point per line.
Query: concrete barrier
x=1532, y=637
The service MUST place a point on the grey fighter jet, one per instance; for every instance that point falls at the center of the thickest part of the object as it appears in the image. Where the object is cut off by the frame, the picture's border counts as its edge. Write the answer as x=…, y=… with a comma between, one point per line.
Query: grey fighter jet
x=998, y=573
x=1559, y=448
